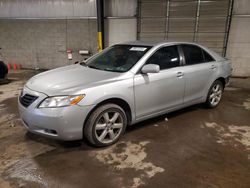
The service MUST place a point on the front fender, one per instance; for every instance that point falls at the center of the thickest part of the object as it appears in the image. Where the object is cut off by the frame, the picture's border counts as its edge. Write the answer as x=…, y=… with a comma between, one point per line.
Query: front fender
x=122, y=89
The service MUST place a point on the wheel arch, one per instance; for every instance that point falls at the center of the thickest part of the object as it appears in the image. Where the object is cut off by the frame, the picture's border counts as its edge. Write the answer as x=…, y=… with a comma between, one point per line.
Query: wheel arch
x=223, y=81
x=118, y=101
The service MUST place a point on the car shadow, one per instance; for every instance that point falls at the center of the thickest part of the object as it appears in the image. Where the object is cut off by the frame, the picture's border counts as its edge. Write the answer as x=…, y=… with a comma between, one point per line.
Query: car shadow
x=161, y=118
x=53, y=142
x=4, y=81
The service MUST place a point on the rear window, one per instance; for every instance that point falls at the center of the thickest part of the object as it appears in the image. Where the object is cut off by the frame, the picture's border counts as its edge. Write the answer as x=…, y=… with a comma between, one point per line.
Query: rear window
x=207, y=57
x=195, y=55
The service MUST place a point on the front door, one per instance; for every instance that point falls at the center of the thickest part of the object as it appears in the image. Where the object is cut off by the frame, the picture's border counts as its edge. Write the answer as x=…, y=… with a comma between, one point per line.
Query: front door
x=158, y=92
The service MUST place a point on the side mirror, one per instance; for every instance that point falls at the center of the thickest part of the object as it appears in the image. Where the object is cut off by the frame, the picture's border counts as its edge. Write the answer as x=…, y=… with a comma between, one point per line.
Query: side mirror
x=150, y=68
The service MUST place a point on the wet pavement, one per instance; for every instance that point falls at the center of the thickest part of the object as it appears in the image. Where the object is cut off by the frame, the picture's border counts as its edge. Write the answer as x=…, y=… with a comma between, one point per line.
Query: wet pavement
x=193, y=147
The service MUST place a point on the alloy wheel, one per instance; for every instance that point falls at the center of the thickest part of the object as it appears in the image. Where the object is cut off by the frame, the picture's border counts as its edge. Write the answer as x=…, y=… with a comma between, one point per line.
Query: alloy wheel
x=215, y=95
x=108, y=126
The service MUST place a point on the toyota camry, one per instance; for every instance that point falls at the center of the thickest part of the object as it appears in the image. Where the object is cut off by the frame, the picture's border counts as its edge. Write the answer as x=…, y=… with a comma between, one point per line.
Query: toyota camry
x=120, y=86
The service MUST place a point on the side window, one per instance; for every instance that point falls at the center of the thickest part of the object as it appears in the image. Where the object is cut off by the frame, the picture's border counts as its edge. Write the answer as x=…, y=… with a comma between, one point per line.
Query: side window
x=207, y=57
x=193, y=54
x=166, y=57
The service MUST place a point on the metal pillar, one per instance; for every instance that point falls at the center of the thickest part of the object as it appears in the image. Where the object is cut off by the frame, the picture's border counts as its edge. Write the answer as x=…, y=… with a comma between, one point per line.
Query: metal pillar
x=138, y=16
x=167, y=20
x=229, y=20
x=100, y=24
x=197, y=17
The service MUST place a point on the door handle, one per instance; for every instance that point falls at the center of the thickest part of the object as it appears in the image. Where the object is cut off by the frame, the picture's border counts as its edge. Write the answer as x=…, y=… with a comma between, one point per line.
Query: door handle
x=213, y=67
x=180, y=74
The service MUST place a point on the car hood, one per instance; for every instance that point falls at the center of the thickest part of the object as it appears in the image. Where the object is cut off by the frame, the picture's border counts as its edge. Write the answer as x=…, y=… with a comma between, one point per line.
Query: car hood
x=66, y=80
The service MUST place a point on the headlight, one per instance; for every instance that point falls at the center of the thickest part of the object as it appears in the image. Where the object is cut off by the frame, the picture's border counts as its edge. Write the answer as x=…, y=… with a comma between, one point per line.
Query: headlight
x=60, y=101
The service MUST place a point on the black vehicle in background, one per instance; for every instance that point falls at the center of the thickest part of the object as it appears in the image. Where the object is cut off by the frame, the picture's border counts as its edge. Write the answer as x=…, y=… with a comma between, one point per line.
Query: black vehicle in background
x=3, y=67
x=3, y=70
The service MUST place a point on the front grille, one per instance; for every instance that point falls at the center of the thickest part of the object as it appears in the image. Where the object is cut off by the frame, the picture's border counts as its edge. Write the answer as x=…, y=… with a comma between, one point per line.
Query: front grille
x=27, y=100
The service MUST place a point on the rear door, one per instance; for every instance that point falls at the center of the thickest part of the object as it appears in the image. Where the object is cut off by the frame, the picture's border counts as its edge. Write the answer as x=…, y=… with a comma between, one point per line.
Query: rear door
x=157, y=92
x=199, y=70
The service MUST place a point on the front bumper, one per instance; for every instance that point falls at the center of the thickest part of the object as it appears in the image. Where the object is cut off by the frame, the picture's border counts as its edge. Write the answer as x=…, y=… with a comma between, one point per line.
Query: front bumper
x=64, y=123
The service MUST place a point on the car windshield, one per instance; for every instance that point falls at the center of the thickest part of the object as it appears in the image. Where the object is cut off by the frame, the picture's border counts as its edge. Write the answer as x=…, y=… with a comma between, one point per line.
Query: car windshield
x=118, y=58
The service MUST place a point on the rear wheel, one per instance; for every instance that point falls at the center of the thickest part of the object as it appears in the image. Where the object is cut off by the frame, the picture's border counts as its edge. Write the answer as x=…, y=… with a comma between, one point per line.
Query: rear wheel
x=105, y=125
x=214, y=94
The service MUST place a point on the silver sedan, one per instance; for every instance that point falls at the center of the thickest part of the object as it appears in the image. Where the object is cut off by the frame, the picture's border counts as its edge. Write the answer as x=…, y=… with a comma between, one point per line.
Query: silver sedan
x=124, y=84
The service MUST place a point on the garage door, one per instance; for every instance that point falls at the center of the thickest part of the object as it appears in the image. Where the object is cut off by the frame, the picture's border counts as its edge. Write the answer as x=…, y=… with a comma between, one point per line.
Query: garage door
x=201, y=21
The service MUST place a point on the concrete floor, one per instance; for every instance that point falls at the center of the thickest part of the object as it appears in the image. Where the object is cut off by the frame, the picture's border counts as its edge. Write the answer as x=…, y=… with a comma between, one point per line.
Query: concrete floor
x=194, y=147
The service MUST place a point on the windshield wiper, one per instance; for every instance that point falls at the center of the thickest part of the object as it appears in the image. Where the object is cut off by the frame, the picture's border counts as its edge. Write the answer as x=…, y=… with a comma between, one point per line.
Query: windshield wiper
x=93, y=67
x=83, y=64
x=103, y=69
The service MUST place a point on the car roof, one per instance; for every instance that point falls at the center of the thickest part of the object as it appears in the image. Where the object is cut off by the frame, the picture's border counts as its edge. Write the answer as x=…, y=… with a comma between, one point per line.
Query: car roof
x=158, y=44
x=139, y=43
x=145, y=43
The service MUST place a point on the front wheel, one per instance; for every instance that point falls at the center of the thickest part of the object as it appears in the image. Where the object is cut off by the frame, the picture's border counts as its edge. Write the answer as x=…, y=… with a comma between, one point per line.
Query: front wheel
x=214, y=94
x=105, y=125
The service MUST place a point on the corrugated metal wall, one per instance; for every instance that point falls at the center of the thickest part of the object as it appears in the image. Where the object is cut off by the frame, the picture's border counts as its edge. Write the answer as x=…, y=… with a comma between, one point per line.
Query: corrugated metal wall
x=121, y=21
x=199, y=21
x=120, y=8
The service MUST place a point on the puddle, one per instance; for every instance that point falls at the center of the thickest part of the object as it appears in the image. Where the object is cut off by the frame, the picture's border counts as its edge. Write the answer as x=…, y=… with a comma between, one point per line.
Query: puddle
x=10, y=90
x=26, y=170
x=25, y=149
x=241, y=134
x=16, y=152
x=8, y=123
x=4, y=183
x=244, y=134
x=231, y=89
x=128, y=155
x=137, y=182
x=246, y=104
x=16, y=161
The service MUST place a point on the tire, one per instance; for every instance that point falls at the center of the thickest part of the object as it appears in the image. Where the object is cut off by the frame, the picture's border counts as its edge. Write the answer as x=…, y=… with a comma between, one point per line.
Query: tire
x=105, y=125
x=214, y=94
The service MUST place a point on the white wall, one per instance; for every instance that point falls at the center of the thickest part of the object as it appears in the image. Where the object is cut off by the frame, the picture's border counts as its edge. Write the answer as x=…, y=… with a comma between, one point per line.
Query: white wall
x=238, y=49
x=121, y=21
x=120, y=30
